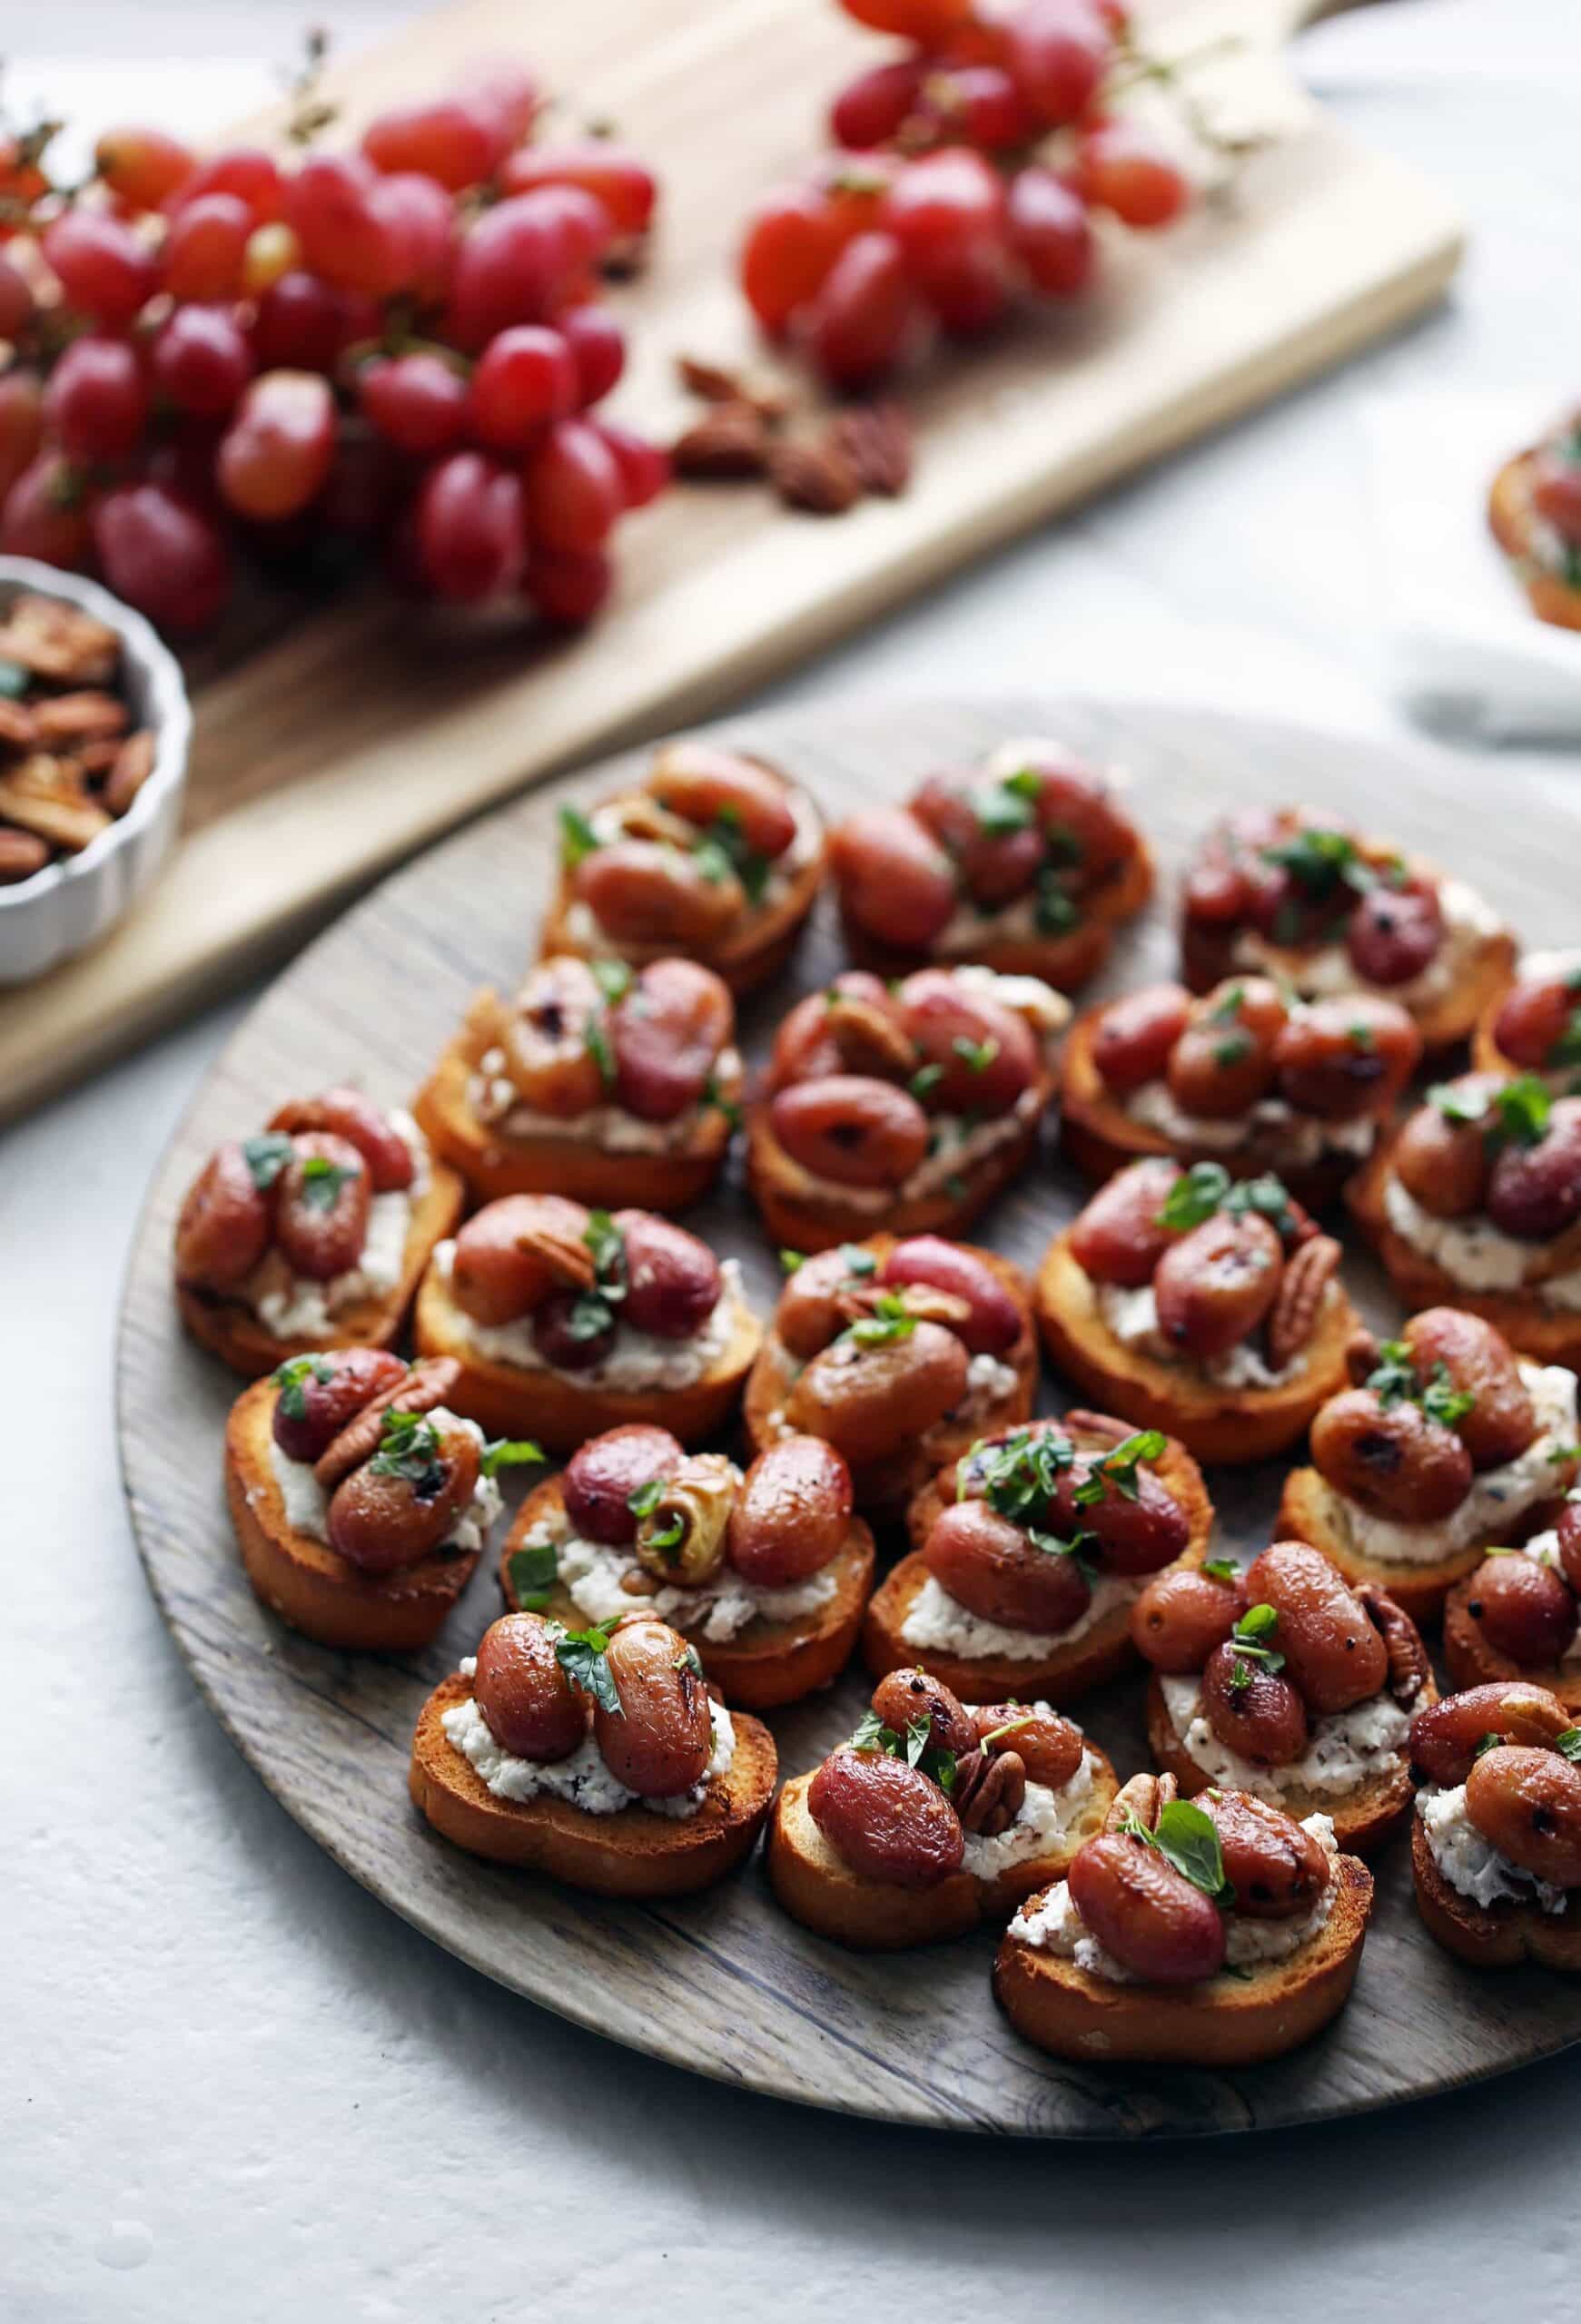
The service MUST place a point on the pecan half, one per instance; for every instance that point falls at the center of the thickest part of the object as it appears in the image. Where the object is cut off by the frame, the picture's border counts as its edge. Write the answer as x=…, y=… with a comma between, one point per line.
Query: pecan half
x=730, y=439
x=1408, y=1667
x=715, y=383
x=1309, y=1272
x=129, y=771
x=83, y=717
x=423, y=1390
x=17, y=730
x=566, y=1256
x=919, y=1299
x=45, y=795
x=58, y=642
x=817, y=476
x=876, y=438
x=1145, y=1798
x=868, y=1039
x=988, y=1790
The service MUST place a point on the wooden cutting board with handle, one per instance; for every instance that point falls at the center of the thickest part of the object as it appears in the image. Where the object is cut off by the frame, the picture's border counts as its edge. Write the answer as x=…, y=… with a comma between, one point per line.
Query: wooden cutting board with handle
x=344, y=736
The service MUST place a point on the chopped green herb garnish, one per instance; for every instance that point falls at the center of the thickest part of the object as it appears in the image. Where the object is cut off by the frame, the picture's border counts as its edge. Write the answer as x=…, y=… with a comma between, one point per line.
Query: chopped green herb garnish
x=613, y=980
x=509, y=1453
x=791, y=1260
x=323, y=1179
x=976, y=1055
x=1257, y=1624
x=291, y=1379
x=643, y=1500
x=1220, y=1569
x=925, y=1078
x=1187, y=1837
x=409, y=1448
x=584, y=1657
x=266, y=1157
x=577, y=837
x=532, y=1571
x=856, y=1261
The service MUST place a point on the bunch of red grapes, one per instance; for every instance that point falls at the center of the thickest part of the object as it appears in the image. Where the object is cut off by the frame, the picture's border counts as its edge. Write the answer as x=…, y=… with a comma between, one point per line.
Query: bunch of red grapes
x=967, y=170
x=399, y=347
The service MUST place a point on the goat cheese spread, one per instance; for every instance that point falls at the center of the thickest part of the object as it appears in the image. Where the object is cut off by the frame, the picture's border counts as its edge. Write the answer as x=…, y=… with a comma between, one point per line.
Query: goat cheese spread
x=294, y=1307
x=306, y=1503
x=1278, y=1133
x=1345, y=1749
x=638, y=1359
x=1471, y=1864
x=938, y=1620
x=1497, y=1499
x=593, y=1574
x=1476, y=1254
x=1052, y=1924
x=1045, y=1824
x=583, y=1779
x=1132, y=1316
x=1326, y=969
x=492, y=1096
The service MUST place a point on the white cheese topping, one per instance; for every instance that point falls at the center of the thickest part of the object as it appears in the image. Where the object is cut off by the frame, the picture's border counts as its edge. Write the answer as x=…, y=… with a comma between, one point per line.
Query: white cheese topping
x=1282, y=1137
x=715, y=1611
x=1346, y=1749
x=306, y=1503
x=1497, y=1499
x=638, y=1359
x=938, y=1620
x=1132, y=1316
x=492, y=1096
x=1476, y=1253
x=294, y=1307
x=1470, y=1864
x=1045, y=1824
x=1050, y=1924
x=583, y=1779
x=1322, y=971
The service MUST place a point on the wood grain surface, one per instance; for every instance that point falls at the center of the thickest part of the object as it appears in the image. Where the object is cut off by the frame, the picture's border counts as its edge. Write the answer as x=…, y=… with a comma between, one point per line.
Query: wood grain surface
x=334, y=738
x=724, y=1983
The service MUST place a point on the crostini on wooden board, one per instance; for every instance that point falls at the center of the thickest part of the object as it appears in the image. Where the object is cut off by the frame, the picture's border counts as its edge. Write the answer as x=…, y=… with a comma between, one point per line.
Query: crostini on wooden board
x=566, y=1321
x=899, y=1353
x=1515, y=1617
x=313, y=1234
x=935, y=1815
x=1208, y=1307
x=1030, y=1551
x=1241, y=1075
x=715, y=855
x=908, y=1106
x=1217, y=1932
x=767, y=1573
x=607, y=1083
x=1495, y=1843
x=1534, y=1025
x=1028, y=864
x=598, y=1756
x=1446, y=1446
x=1289, y=893
x=1534, y=512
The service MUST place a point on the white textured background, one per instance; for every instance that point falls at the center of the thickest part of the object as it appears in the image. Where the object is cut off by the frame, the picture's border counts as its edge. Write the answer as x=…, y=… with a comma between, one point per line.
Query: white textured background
x=232, y=2086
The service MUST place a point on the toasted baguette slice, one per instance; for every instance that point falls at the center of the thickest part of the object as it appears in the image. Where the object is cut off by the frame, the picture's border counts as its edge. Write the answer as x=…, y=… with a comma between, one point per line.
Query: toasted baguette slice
x=235, y=1334
x=1226, y=2021
x=817, y=1886
x=1474, y=1662
x=1311, y=1511
x=1509, y=518
x=1551, y=1335
x=1101, y=1137
x=884, y=1488
x=561, y=1412
x=633, y=1853
x=1067, y=961
x=493, y=1164
x=1229, y=1424
x=764, y=1665
x=312, y=1586
x=1499, y=1935
x=1362, y=1820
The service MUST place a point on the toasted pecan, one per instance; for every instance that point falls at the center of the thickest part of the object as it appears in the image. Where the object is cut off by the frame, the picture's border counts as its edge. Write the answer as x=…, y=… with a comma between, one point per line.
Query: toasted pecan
x=1309, y=1271
x=423, y=1390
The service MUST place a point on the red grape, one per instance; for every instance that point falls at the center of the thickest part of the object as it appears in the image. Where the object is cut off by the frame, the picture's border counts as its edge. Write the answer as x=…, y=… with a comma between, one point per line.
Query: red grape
x=469, y=526
x=869, y=109
x=525, y=377
x=419, y=225
x=415, y=401
x=142, y=167
x=567, y=585
x=505, y=95
x=1119, y=166
x=980, y=104
x=21, y=423
x=943, y=205
x=201, y=360
x=969, y=290
x=205, y=246
x=97, y=404
x=276, y=453
x=930, y=22
x=644, y=469
x=101, y=266
x=254, y=176
x=301, y=325
x=329, y=202
x=1059, y=50
x=1051, y=232
x=598, y=347
x=17, y=301
x=574, y=489
x=47, y=513
x=163, y=554
x=865, y=312
x=272, y=252
x=513, y=267
x=446, y=140
x=791, y=244
x=366, y=485
x=624, y=187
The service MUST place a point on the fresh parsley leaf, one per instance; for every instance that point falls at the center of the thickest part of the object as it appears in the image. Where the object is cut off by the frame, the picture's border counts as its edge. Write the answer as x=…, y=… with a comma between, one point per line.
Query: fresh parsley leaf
x=1568, y=1743
x=291, y=1379
x=1443, y=1402
x=643, y=1500
x=614, y=978
x=1488, y=1743
x=601, y=1051
x=892, y=1320
x=590, y=1317
x=925, y=1078
x=409, y=1448
x=726, y=838
x=667, y=1536
x=1195, y=1196
x=604, y=1239
x=532, y=1571
x=1393, y=1379
x=976, y=1055
x=323, y=1179
x=1319, y=861
x=584, y=1657
x=577, y=837
x=1056, y=912
x=941, y=1765
x=1002, y=808
x=1226, y=1010
x=1258, y=1623
x=790, y=1261
x=266, y=1157
x=714, y=1096
x=1523, y=1107
x=918, y=1735
x=1456, y=1105
x=1220, y=1569
x=872, y=1734
x=856, y=1261
x=1233, y=1048
x=1188, y=1838
x=1269, y=1198
x=1142, y=1444
x=509, y=1453
x=713, y=862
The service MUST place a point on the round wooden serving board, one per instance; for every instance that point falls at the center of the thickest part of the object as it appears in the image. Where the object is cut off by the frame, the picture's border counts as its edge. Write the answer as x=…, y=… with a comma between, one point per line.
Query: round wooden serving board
x=724, y=1983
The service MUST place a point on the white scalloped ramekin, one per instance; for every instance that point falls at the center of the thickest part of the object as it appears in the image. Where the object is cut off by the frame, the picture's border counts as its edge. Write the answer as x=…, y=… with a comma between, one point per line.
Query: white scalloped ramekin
x=72, y=903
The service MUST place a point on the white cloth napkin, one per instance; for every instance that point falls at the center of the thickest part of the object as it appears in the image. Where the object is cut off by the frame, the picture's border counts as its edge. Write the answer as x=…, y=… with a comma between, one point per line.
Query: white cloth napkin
x=1463, y=648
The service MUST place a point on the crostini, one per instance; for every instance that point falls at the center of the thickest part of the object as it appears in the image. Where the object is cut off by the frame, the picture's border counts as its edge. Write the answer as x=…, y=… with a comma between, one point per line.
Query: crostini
x=914, y=1105
x=1286, y=892
x=1535, y=1026
x=566, y=1322
x=1495, y=1844
x=935, y=1815
x=1028, y=1553
x=1534, y=513
x=1240, y=1075
x=1515, y=1617
x=1446, y=1444
x=360, y=1500
x=1475, y=1202
x=311, y=1235
x=1028, y=864
x=1285, y=1683
x=1210, y=1933
x=599, y=1757
x=766, y=1573
x=899, y=1353
x=1204, y=1306
x=603, y=1082
x=716, y=855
